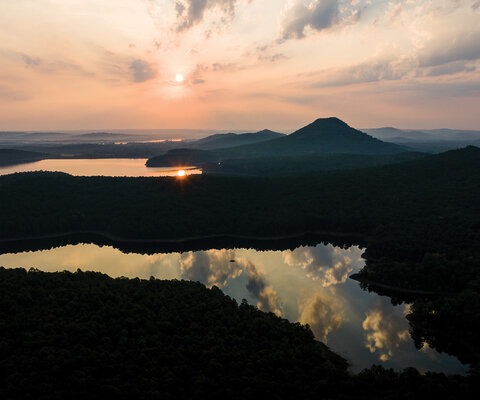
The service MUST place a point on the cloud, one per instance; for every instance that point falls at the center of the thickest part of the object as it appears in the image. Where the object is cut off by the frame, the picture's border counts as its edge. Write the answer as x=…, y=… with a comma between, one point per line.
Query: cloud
x=142, y=71
x=385, y=332
x=317, y=15
x=12, y=95
x=476, y=5
x=191, y=12
x=265, y=53
x=451, y=68
x=52, y=66
x=464, y=47
x=31, y=61
x=322, y=314
x=366, y=72
x=196, y=77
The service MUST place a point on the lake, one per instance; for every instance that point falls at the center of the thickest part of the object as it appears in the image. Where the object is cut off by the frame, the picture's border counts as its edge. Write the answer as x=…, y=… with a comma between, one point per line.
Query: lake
x=309, y=284
x=95, y=167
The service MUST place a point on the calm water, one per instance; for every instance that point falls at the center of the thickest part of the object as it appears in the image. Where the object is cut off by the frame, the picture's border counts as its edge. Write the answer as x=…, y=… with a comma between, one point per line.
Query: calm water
x=308, y=284
x=94, y=167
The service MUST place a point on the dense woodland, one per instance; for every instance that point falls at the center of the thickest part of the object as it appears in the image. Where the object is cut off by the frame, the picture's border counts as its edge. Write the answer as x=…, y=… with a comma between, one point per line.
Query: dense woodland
x=85, y=335
x=420, y=221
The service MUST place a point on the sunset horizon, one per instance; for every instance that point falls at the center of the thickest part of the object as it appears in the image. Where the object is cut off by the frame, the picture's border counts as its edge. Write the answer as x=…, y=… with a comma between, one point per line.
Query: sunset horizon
x=238, y=64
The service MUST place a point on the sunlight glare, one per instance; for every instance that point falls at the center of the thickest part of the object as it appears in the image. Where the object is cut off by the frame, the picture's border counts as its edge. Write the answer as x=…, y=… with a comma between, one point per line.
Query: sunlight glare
x=181, y=173
x=179, y=78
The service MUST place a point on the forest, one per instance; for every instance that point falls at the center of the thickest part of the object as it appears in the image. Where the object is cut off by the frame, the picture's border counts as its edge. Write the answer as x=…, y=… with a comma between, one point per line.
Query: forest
x=419, y=221
x=85, y=335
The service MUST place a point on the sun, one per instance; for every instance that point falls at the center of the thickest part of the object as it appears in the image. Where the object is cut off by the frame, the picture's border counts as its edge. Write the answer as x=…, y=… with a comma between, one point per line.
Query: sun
x=179, y=78
x=181, y=172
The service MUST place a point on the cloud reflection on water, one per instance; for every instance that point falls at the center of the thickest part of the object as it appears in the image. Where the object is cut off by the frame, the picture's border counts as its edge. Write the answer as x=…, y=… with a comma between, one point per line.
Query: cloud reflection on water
x=219, y=267
x=385, y=331
x=328, y=264
x=322, y=313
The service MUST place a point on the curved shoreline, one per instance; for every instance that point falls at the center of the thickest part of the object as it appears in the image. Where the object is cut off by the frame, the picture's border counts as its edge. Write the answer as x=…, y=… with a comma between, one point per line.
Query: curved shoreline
x=123, y=239
x=358, y=278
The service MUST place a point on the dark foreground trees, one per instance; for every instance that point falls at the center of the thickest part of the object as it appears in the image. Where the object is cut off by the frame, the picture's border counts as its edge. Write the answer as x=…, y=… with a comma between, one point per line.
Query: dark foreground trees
x=85, y=335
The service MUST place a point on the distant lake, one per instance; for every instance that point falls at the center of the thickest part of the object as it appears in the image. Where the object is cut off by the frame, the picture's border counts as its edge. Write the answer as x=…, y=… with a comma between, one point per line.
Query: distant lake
x=95, y=167
x=308, y=284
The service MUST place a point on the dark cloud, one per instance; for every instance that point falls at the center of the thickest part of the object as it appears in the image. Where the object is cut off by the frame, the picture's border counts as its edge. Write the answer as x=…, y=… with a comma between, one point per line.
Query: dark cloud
x=12, y=95
x=462, y=48
x=191, y=12
x=53, y=66
x=142, y=71
x=267, y=53
x=258, y=287
x=319, y=15
x=31, y=61
x=197, y=74
x=450, y=69
x=476, y=5
x=230, y=67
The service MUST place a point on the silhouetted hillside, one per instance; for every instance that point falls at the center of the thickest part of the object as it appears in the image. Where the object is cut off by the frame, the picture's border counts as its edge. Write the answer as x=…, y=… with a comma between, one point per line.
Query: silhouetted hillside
x=225, y=140
x=12, y=156
x=182, y=158
x=323, y=136
x=294, y=165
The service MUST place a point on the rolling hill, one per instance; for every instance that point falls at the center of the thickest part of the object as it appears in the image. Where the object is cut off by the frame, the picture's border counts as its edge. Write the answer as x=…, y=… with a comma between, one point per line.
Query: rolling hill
x=226, y=140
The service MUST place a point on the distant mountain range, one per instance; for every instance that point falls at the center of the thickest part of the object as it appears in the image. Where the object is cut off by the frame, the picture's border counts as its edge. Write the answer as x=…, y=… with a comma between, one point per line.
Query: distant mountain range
x=431, y=140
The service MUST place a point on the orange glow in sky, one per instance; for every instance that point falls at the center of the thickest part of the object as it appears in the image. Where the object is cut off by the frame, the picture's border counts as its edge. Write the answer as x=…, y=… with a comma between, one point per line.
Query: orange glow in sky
x=238, y=64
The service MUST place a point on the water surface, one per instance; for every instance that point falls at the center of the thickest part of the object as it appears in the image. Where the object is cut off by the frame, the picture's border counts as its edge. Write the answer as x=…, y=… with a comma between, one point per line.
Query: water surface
x=309, y=284
x=98, y=166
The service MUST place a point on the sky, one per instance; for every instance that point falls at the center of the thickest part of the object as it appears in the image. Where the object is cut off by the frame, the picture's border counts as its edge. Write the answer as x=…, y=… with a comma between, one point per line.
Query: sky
x=238, y=64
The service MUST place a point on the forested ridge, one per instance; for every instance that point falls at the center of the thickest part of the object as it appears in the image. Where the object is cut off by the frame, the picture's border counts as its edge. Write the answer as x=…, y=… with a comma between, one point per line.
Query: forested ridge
x=85, y=335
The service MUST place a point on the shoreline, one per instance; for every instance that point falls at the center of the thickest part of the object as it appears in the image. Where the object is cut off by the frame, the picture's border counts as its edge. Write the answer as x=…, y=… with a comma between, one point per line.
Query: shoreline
x=123, y=239
x=358, y=278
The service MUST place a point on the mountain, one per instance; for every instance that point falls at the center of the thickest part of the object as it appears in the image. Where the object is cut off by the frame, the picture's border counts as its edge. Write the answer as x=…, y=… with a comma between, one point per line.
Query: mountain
x=225, y=140
x=323, y=136
x=429, y=141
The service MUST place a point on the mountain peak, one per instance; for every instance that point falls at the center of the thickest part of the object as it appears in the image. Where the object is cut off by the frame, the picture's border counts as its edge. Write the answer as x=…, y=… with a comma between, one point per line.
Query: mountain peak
x=331, y=126
x=329, y=122
x=332, y=135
